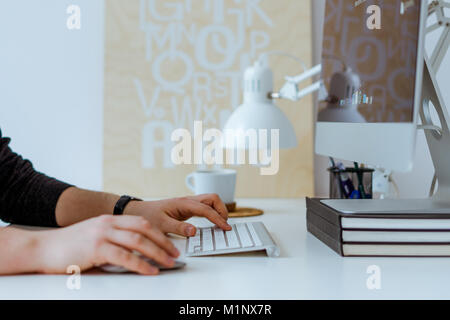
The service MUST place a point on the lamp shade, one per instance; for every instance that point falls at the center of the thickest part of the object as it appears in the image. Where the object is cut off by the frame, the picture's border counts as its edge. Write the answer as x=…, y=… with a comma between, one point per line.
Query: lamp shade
x=258, y=110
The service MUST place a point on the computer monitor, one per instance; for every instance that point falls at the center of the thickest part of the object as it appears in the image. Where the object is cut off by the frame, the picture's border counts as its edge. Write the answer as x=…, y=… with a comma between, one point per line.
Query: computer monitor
x=372, y=66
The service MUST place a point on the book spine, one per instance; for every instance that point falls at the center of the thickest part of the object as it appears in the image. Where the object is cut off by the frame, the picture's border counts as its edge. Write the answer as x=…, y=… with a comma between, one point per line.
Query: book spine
x=326, y=239
x=323, y=211
x=330, y=229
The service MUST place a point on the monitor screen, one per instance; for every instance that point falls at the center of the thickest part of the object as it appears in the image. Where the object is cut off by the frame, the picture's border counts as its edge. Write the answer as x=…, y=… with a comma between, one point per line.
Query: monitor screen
x=369, y=60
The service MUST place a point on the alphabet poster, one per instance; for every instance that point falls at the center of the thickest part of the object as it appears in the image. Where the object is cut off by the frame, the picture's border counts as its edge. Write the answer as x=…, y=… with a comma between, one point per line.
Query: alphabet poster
x=171, y=63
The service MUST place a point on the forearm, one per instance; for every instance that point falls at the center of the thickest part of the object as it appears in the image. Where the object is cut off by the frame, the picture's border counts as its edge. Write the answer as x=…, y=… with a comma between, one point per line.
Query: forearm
x=19, y=251
x=75, y=205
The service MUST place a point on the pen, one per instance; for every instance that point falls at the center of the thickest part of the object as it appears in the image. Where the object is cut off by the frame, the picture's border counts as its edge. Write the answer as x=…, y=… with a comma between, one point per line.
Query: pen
x=345, y=182
x=360, y=182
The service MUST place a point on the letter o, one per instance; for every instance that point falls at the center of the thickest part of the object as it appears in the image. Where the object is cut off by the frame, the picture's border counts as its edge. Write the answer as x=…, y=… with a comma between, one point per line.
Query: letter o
x=156, y=69
x=200, y=48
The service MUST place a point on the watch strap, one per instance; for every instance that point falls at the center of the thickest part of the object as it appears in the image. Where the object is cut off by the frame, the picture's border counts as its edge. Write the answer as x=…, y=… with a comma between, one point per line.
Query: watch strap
x=122, y=203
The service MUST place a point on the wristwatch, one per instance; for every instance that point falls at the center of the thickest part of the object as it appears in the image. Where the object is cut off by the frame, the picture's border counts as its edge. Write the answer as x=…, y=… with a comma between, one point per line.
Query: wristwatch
x=122, y=203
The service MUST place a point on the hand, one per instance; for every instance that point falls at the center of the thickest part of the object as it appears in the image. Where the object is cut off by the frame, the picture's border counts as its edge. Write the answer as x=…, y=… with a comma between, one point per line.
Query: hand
x=105, y=240
x=168, y=214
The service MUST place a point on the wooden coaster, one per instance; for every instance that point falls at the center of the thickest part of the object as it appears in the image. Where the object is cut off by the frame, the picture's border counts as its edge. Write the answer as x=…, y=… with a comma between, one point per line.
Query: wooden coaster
x=245, y=212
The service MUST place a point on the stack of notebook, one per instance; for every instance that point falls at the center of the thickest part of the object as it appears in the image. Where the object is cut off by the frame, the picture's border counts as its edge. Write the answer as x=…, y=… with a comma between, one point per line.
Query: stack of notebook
x=408, y=233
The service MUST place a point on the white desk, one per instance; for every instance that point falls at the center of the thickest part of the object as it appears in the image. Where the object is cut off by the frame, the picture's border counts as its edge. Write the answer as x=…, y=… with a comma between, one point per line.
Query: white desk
x=306, y=269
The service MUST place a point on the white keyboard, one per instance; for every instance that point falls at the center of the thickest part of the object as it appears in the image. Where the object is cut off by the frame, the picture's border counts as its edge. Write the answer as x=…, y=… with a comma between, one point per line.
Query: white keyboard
x=243, y=237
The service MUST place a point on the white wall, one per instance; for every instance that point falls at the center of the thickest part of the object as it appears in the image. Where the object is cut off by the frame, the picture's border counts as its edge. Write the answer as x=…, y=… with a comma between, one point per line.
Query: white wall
x=415, y=184
x=51, y=87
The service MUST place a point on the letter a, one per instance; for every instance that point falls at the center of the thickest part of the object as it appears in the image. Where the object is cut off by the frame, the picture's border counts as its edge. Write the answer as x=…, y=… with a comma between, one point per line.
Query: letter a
x=374, y=21
x=374, y=280
x=74, y=20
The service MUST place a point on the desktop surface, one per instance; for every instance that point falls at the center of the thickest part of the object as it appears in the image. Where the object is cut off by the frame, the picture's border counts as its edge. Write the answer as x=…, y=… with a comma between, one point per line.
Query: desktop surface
x=305, y=269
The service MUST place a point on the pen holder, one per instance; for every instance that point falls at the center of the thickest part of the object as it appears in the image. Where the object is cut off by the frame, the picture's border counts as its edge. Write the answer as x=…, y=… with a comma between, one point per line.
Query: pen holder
x=350, y=183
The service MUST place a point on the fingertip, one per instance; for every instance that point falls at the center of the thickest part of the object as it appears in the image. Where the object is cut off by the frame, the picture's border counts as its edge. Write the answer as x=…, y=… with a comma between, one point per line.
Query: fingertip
x=152, y=271
x=190, y=231
x=170, y=262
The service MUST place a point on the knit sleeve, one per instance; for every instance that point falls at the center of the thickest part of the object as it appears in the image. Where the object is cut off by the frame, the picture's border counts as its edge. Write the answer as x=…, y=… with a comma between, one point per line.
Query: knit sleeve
x=27, y=197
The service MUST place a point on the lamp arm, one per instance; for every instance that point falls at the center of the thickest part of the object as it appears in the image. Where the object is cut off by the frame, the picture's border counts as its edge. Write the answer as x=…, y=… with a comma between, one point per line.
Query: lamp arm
x=309, y=89
x=305, y=75
x=291, y=91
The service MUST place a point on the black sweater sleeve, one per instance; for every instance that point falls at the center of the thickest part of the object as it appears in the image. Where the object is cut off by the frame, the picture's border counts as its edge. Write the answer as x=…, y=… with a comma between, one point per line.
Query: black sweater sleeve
x=27, y=197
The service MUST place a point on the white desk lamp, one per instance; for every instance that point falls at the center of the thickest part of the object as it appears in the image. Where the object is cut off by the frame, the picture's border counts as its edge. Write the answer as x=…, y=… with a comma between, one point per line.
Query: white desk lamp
x=258, y=110
x=343, y=100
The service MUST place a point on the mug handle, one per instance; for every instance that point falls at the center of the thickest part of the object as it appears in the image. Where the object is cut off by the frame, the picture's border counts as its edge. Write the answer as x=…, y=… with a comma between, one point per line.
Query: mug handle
x=189, y=182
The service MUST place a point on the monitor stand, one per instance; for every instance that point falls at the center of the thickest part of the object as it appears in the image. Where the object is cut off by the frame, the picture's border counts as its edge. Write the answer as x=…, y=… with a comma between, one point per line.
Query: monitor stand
x=438, y=139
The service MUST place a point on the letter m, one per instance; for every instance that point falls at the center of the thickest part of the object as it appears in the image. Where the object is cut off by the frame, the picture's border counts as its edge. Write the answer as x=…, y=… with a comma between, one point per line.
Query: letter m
x=153, y=33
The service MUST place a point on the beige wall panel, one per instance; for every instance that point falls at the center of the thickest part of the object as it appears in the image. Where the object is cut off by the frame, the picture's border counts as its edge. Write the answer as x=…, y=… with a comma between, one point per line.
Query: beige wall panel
x=135, y=47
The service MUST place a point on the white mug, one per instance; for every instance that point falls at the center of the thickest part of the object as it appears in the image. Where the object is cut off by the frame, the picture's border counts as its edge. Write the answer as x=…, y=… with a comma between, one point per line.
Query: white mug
x=220, y=181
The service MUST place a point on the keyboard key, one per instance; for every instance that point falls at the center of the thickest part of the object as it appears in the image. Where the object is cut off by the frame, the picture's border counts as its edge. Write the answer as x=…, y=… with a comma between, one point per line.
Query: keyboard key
x=219, y=239
x=232, y=239
x=207, y=244
x=244, y=236
x=254, y=235
x=194, y=244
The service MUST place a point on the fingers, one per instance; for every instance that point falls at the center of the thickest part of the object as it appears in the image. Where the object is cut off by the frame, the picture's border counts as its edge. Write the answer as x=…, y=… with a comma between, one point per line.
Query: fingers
x=118, y=256
x=138, y=242
x=142, y=226
x=200, y=209
x=214, y=201
x=178, y=227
